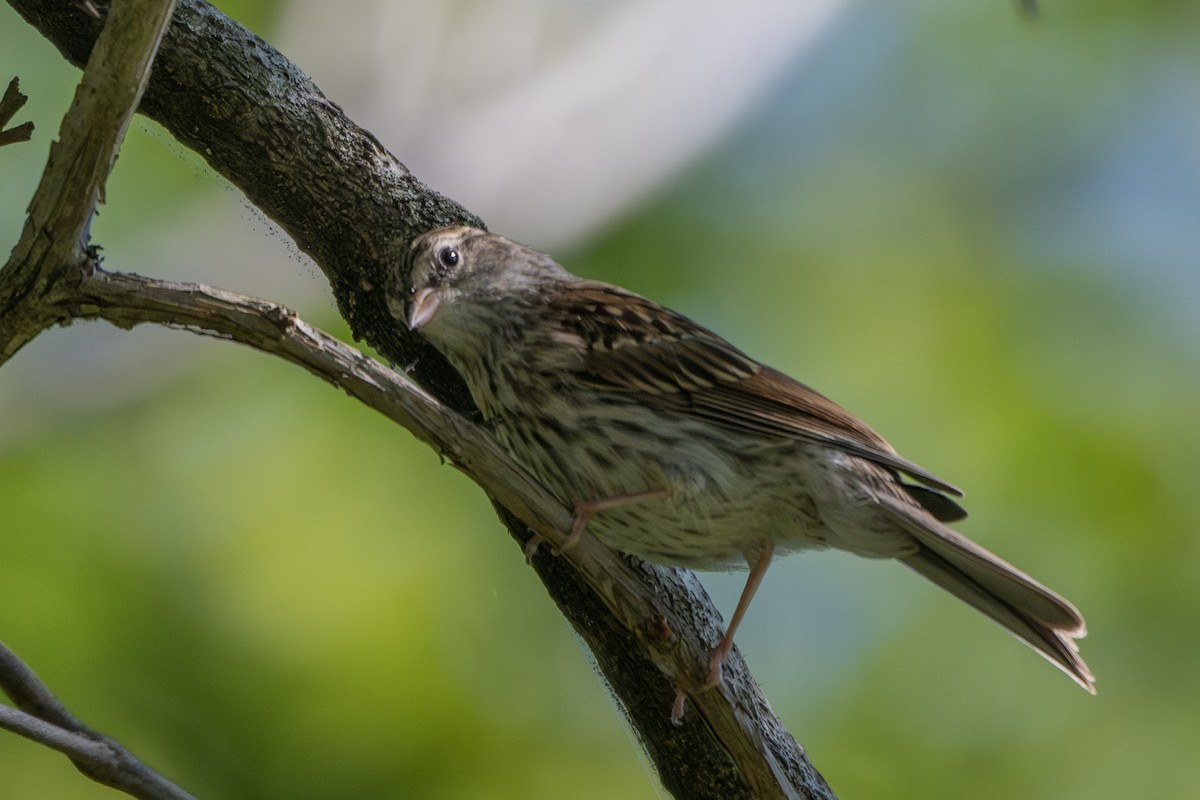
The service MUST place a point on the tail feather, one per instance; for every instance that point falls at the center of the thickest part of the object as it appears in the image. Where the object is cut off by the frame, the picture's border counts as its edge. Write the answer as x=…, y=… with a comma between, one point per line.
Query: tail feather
x=1033, y=613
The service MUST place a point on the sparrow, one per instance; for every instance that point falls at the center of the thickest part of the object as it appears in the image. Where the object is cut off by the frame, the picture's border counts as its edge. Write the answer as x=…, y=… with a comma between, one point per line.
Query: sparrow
x=670, y=444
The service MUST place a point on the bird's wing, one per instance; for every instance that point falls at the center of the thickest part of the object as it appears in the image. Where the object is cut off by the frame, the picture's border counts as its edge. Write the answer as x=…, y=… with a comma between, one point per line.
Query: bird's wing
x=633, y=345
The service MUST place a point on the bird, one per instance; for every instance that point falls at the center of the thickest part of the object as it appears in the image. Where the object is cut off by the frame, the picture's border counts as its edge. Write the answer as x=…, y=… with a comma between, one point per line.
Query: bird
x=669, y=443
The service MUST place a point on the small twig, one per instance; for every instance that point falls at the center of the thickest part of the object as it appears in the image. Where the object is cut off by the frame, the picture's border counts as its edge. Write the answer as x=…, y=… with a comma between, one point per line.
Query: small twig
x=47, y=733
x=10, y=104
x=19, y=133
x=12, y=101
x=29, y=694
x=41, y=717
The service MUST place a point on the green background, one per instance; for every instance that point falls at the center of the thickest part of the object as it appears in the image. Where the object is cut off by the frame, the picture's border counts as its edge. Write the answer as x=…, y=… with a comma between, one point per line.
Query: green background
x=978, y=233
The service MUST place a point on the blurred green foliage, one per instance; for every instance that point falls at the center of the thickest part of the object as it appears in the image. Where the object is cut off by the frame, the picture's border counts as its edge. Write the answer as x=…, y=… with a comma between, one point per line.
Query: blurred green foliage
x=975, y=231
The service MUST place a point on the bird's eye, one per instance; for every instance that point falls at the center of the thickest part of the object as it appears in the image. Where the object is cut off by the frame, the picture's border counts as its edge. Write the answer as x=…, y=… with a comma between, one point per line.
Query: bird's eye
x=447, y=257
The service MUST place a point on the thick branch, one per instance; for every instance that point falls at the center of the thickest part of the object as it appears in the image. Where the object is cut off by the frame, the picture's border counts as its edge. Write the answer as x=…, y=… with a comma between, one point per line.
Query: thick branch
x=349, y=204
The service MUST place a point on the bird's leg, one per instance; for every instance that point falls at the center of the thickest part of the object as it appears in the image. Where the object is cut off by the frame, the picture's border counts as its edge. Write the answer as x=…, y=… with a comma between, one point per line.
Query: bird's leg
x=584, y=511
x=757, y=570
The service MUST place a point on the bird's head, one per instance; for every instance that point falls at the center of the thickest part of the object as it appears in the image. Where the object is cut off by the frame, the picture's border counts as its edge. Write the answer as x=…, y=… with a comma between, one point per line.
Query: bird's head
x=462, y=283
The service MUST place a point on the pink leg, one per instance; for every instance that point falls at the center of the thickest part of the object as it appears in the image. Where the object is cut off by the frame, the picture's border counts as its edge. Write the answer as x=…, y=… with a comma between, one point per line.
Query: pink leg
x=586, y=509
x=757, y=570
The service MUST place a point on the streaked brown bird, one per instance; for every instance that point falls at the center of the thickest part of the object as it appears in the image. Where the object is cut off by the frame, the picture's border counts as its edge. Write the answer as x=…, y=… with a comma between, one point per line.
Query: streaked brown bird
x=673, y=445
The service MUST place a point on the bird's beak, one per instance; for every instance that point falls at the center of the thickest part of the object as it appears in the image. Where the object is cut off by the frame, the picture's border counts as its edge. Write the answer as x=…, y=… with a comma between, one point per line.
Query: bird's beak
x=421, y=307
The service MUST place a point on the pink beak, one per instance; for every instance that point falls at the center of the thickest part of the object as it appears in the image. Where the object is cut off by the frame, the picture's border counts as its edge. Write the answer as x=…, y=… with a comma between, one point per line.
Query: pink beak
x=421, y=307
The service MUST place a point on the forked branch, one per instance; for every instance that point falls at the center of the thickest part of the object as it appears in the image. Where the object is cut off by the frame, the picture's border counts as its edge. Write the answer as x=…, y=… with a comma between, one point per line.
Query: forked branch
x=10, y=103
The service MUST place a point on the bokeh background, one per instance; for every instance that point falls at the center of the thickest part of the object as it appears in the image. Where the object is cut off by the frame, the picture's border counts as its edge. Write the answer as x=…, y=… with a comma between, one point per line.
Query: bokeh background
x=978, y=231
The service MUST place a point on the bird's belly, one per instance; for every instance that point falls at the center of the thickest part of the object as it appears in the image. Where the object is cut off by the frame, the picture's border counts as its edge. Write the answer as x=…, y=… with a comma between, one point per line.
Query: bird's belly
x=699, y=533
x=713, y=507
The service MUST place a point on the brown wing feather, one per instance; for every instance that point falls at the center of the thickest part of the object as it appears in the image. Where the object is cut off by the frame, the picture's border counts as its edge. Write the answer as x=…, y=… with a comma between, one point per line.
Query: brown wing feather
x=635, y=345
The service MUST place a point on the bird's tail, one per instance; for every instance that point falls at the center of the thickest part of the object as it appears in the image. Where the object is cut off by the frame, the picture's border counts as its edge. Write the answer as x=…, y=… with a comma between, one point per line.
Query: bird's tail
x=1034, y=614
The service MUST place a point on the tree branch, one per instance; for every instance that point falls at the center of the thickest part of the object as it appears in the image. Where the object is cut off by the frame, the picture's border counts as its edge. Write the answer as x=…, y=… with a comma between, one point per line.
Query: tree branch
x=51, y=246
x=41, y=718
x=354, y=208
x=49, y=257
x=10, y=104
